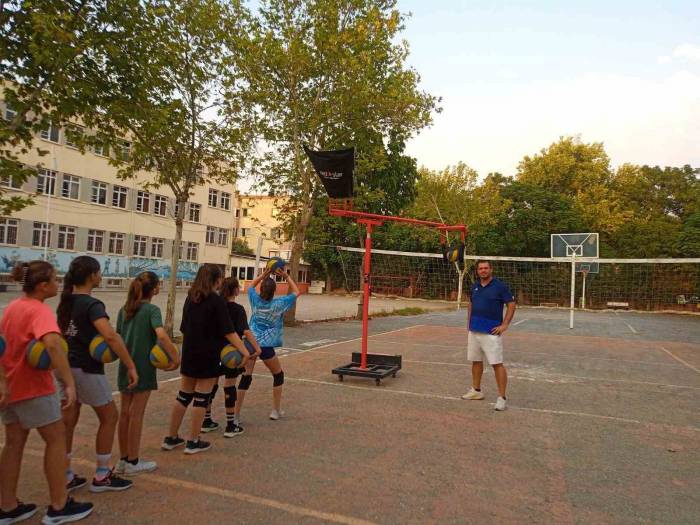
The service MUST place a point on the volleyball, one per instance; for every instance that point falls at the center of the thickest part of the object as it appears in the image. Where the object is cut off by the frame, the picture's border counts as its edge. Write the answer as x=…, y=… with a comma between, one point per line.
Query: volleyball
x=159, y=357
x=38, y=356
x=100, y=350
x=230, y=357
x=276, y=263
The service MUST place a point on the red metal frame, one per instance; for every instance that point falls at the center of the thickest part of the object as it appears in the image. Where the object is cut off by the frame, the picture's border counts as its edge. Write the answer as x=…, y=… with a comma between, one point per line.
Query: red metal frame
x=343, y=208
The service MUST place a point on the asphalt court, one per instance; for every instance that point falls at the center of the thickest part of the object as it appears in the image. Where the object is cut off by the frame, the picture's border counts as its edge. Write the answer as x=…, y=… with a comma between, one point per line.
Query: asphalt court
x=603, y=426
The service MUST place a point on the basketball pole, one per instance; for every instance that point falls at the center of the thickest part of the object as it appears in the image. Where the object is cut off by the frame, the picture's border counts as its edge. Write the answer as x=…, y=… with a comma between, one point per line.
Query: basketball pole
x=583, y=297
x=573, y=290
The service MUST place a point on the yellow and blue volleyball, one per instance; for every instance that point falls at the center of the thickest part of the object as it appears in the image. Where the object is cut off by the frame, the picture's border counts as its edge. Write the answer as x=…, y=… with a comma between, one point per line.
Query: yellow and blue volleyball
x=38, y=356
x=159, y=357
x=230, y=357
x=3, y=345
x=276, y=263
x=100, y=350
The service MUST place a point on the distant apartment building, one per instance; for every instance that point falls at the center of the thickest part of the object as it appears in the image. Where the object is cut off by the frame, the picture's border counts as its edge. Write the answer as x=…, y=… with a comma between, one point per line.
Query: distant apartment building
x=257, y=221
x=81, y=207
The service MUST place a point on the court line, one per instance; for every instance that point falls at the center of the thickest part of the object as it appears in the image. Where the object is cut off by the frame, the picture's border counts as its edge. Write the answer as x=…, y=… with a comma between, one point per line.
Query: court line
x=465, y=365
x=510, y=407
x=550, y=355
x=680, y=360
x=631, y=327
x=521, y=321
x=231, y=494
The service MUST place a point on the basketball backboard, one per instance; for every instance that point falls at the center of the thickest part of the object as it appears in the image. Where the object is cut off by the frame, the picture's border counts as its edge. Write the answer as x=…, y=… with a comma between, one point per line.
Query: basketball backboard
x=587, y=267
x=579, y=245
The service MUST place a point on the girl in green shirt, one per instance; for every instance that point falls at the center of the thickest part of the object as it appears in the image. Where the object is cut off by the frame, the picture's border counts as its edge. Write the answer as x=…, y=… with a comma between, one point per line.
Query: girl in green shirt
x=141, y=326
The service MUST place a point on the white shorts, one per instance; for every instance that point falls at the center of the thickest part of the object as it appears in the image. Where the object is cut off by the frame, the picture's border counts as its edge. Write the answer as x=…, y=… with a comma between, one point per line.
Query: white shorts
x=480, y=345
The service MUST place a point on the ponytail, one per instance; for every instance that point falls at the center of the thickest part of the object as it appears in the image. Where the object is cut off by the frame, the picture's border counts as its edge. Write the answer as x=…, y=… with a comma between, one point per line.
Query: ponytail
x=80, y=269
x=204, y=282
x=142, y=287
x=31, y=274
x=267, y=289
x=229, y=287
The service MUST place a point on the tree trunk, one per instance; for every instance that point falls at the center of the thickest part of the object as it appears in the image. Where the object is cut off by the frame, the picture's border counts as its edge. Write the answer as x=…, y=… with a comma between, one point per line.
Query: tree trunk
x=297, y=247
x=174, y=263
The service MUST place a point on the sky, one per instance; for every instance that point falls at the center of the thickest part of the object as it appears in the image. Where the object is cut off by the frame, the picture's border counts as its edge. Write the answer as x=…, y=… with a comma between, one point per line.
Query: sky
x=515, y=76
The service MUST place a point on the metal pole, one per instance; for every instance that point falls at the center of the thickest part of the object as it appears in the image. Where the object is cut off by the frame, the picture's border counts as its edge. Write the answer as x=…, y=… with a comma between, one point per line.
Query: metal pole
x=573, y=290
x=257, y=255
x=365, y=295
x=583, y=298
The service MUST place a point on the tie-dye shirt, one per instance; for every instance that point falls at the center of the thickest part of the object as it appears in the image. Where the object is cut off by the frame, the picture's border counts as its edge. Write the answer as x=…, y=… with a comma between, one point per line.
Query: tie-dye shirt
x=268, y=317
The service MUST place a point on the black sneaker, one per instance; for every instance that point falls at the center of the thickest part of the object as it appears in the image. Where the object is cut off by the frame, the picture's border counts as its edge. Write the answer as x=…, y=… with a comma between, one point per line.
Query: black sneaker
x=23, y=511
x=171, y=443
x=194, y=447
x=111, y=483
x=209, y=426
x=233, y=430
x=76, y=483
x=72, y=511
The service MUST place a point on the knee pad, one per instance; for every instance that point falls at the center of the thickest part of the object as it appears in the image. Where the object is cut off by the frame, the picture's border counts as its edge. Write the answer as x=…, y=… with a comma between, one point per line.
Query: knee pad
x=213, y=392
x=278, y=379
x=230, y=396
x=245, y=382
x=201, y=399
x=184, y=398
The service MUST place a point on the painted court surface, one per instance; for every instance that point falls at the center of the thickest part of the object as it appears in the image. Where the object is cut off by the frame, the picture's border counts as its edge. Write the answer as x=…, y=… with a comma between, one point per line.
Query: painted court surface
x=603, y=426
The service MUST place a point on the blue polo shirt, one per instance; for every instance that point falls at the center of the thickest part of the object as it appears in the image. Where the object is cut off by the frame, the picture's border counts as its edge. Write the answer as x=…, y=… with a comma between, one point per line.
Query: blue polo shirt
x=487, y=305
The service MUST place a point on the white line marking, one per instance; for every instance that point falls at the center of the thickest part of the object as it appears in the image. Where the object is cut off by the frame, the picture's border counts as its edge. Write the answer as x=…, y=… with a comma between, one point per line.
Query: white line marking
x=319, y=342
x=680, y=360
x=631, y=328
x=521, y=321
x=232, y=494
x=510, y=407
x=587, y=378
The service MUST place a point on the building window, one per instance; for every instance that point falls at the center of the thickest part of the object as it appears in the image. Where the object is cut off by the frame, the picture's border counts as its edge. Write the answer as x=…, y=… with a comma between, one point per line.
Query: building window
x=160, y=205
x=190, y=250
x=303, y=276
x=116, y=243
x=244, y=232
x=41, y=235
x=101, y=149
x=71, y=187
x=276, y=233
x=194, y=212
x=140, y=246
x=238, y=212
x=223, y=237
x=213, y=197
x=99, y=192
x=211, y=235
x=157, y=247
x=143, y=201
x=245, y=212
x=176, y=209
x=66, y=238
x=95, y=240
x=7, y=181
x=225, y=201
x=10, y=113
x=8, y=231
x=119, y=195
x=123, y=152
x=46, y=182
x=73, y=134
x=250, y=273
x=51, y=133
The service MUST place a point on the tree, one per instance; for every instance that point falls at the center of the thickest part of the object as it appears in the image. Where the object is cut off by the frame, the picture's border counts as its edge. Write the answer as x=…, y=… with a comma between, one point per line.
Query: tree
x=52, y=65
x=329, y=73
x=177, y=104
x=240, y=247
x=689, y=237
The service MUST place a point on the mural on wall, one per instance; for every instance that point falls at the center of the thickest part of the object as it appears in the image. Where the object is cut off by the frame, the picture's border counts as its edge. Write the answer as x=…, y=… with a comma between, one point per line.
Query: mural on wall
x=113, y=266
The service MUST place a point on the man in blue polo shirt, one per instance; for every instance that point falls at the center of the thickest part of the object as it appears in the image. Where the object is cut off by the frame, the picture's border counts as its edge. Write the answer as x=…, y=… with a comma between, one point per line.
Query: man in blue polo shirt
x=486, y=324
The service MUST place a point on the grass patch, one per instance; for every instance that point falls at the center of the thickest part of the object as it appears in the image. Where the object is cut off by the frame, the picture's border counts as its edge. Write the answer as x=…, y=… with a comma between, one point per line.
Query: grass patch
x=411, y=310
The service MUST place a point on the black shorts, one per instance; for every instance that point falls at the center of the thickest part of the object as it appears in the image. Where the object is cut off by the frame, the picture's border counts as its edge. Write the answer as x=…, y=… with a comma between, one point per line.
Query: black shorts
x=231, y=373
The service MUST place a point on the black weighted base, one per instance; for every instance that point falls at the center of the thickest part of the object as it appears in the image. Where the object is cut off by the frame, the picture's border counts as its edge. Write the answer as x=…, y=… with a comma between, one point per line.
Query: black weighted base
x=379, y=366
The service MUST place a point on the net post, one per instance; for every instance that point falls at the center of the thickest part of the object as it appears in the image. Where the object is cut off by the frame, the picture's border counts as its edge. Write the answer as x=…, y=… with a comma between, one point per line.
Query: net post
x=573, y=289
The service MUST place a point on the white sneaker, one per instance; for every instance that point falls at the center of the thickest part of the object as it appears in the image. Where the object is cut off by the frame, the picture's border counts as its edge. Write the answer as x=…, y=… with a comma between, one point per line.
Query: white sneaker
x=121, y=465
x=140, y=467
x=275, y=415
x=473, y=395
x=500, y=404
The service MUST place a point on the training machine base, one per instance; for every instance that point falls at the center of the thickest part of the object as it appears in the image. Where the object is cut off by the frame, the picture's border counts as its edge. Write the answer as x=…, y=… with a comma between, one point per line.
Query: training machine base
x=379, y=366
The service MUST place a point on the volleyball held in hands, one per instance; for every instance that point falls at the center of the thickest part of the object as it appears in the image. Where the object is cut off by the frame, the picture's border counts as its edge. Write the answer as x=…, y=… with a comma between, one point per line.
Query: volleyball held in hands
x=160, y=358
x=100, y=350
x=38, y=356
x=275, y=263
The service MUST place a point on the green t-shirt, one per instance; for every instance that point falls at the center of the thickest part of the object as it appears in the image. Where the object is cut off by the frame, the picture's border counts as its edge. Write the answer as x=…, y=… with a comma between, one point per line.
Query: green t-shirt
x=139, y=334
